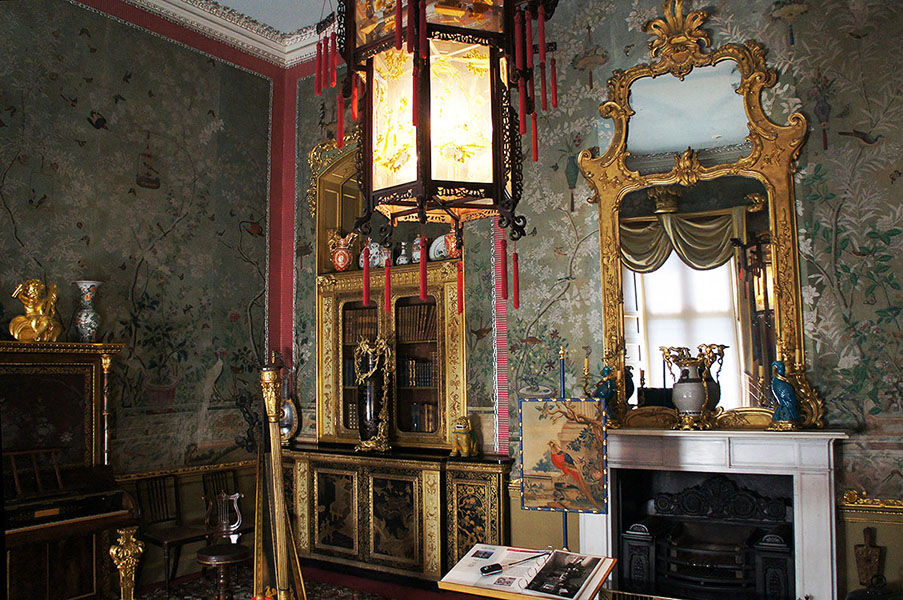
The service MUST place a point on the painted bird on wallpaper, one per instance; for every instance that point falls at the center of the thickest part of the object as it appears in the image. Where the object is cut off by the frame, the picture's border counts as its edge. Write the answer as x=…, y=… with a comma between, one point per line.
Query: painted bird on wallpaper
x=565, y=463
x=866, y=138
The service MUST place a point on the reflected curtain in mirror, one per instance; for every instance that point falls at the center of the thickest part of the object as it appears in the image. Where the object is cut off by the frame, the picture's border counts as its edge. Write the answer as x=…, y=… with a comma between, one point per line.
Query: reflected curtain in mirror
x=703, y=241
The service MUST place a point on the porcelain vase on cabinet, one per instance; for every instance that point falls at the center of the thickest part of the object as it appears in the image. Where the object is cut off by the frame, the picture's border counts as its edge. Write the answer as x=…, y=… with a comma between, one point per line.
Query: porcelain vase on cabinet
x=87, y=319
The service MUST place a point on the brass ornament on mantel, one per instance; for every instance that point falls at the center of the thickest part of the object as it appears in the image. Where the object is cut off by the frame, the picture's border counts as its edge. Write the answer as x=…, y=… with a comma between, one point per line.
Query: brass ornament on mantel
x=39, y=323
x=680, y=45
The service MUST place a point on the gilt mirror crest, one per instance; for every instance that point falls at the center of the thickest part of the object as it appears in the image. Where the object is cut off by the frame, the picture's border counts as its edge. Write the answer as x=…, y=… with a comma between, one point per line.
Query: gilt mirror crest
x=695, y=198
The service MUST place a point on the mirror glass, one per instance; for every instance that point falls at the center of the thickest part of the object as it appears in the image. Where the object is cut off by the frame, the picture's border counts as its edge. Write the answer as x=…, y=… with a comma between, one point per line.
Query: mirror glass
x=703, y=112
x=697, y=270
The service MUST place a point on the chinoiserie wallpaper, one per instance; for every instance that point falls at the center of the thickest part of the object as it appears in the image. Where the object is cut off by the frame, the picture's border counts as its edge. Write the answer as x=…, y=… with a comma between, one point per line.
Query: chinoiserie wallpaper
x=837, y=65
x=140, y=163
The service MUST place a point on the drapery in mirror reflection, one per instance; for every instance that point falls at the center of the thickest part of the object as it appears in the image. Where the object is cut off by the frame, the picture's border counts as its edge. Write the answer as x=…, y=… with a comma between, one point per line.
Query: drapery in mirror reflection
x=688, y=281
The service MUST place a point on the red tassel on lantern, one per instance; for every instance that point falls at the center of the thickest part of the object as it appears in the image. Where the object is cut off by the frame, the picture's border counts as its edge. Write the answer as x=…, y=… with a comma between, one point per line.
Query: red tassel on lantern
x=388, y=288
x=424, y=50
x=423, y=267
x=397, y=34
x=542, y=33
x=334, y=57
x=519, y=64
x=528, y=38
x=542, y=84
x=412, y=16
x=503, y=251
x=535, y=138
x=460, y=287
x=554, y=85
x=354, y=96
x=326, y=62
x=367, y=274
x=318, y=84
x=415, y=94
x=340, y=121
x=515, y=291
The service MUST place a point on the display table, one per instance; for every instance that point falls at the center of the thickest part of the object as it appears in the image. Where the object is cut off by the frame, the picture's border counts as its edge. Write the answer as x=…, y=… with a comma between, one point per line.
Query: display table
x=518, y=573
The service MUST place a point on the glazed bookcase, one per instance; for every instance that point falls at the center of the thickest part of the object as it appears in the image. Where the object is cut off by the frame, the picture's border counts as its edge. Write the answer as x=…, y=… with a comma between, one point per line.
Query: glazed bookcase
x=427, y=341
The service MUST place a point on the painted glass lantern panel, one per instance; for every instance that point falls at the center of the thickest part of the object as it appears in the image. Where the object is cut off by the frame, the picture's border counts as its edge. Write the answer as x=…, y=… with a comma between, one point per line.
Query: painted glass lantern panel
x=394, y=135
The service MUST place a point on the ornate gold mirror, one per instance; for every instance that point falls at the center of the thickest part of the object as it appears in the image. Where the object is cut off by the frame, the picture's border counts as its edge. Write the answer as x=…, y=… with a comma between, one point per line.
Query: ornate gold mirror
x=698, y=176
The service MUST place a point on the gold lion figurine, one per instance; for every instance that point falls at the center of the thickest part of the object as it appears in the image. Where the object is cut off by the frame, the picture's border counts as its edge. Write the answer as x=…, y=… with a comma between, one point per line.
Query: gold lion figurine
x=463, y=442
x=38, y=323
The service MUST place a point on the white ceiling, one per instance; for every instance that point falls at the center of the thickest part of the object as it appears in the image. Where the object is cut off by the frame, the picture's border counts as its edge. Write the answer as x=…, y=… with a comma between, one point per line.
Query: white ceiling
x=278, y=31
x=286, y=16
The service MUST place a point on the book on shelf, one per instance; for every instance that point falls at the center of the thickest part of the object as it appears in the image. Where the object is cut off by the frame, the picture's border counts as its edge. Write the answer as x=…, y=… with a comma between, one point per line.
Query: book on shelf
x=506, y=572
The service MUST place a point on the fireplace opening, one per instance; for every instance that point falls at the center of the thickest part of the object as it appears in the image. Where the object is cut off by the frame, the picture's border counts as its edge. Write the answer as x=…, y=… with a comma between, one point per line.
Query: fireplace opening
x=706, y=536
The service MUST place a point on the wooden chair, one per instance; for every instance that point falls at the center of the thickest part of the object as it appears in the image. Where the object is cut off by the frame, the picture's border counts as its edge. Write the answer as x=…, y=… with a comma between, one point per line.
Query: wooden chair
x=222, y=552
x=225, y=481
x=161, y=521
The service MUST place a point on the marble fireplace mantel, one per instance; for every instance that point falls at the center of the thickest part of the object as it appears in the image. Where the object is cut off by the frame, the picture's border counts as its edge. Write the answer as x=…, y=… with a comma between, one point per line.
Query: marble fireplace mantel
x=807, y=456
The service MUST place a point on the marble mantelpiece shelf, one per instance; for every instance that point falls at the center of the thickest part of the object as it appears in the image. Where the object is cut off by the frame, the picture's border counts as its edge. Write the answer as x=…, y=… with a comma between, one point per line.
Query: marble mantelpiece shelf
x=806, y=456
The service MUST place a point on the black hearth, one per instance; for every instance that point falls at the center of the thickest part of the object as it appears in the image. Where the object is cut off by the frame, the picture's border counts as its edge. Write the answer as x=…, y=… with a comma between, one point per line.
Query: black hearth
x=702, y=536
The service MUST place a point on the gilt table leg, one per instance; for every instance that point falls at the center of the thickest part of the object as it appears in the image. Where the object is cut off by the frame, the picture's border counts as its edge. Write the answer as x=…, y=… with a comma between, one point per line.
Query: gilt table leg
x=125, y=554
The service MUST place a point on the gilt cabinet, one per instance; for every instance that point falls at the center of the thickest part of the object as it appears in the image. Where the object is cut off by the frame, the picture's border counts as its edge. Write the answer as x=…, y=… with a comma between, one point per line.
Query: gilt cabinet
x=426, y=337
x=409, y=514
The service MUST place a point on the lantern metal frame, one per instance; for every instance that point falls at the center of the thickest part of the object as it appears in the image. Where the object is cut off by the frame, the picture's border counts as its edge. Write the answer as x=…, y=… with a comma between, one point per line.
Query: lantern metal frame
x=426, y=199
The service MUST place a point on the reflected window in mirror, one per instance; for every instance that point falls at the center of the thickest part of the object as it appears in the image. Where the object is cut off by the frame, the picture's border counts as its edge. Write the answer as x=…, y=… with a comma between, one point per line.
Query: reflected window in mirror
x=696, y=270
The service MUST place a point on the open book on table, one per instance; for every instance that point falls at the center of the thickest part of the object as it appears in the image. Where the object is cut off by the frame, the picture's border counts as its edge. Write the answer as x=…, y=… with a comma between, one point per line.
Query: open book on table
x=505, y=572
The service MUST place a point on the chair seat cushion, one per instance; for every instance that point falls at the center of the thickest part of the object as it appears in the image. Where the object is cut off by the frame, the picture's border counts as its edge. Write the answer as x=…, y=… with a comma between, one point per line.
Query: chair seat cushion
x=223, y=554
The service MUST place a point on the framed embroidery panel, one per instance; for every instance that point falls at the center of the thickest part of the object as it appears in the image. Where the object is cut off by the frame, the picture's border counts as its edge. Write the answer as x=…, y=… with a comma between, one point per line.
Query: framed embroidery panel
x=563, y=454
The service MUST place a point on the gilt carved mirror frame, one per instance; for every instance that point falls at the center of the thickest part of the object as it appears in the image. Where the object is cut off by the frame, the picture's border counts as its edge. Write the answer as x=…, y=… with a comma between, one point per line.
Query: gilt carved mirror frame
x=679, y=47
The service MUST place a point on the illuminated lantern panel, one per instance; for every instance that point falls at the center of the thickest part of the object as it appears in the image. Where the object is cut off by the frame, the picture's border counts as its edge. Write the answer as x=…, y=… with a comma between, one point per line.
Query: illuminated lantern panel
x=394, y=135
x=460, y=112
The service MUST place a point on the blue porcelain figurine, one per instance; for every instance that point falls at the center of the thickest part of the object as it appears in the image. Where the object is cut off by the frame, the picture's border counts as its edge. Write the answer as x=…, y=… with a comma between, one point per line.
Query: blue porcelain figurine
x=786, y=413
x=606, y=389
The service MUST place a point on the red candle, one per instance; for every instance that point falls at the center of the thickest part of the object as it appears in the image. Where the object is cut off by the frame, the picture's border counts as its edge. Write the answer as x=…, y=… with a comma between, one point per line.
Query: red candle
x=423, y=268
x=542, y=33
x=542, y=84
x=554, y=85
x=397, y=34
x=528, y=41
x=317, y=74
x=411, y=19
x=503, y=257
x=354, y=96
x=515, y=292
x=535, y=138
x=460, y=287
x=424, y=51
x=388, y=289
x=334, y=57
x=366, y=298
x=340, y=121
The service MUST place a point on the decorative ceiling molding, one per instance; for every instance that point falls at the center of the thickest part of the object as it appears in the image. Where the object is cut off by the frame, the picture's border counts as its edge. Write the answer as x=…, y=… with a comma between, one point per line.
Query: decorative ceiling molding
x=236, y=29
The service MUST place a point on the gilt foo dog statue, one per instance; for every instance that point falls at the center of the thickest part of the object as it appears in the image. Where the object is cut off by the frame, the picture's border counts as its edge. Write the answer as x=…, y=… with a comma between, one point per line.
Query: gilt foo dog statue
x=39, y=323
x=463, y=441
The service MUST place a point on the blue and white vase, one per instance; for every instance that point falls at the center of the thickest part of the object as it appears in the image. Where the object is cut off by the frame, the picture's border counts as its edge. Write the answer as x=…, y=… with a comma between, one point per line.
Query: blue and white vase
x=87, y=319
